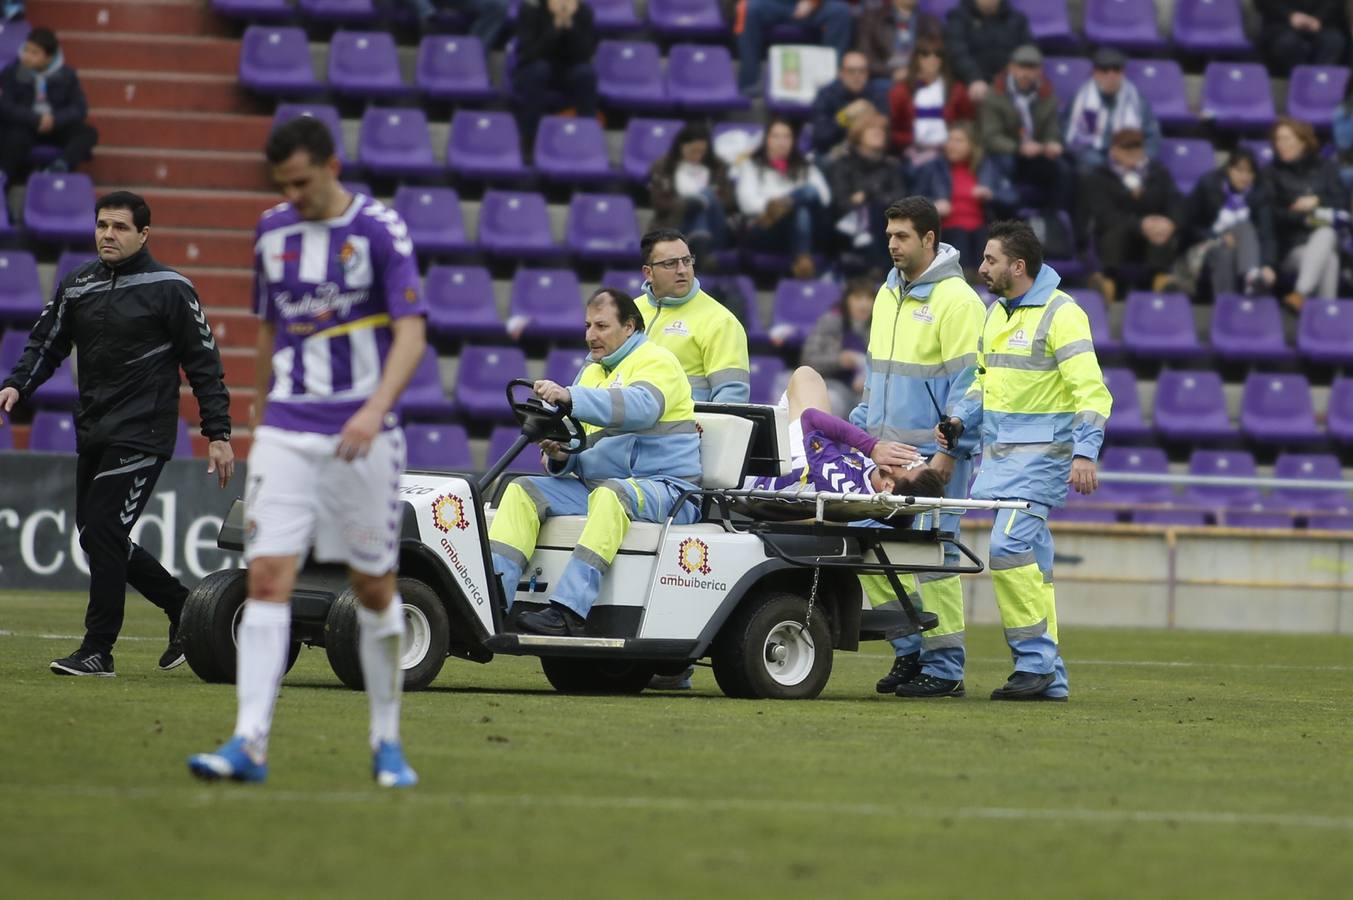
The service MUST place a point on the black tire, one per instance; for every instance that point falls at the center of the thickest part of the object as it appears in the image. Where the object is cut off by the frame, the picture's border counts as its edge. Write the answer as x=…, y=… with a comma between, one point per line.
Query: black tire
x=427, y=631
x=211, y=614
x=747, y=653
x=575, y=675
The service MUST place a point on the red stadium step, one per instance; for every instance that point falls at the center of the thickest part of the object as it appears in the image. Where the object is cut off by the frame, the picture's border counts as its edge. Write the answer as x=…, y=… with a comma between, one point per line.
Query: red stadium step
x=185, y=17
x=181, y=130
x=239, y=366
x=233, y=327
x=198, y=170
x=186, y=247
x=208, y=209
x=115, y=89
x=241, y=407
x=152, y=52
x=230, y=290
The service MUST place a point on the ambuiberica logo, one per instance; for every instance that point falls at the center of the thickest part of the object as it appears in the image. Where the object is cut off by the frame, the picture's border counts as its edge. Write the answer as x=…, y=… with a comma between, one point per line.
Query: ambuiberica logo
x=694, y=559
x=448, y=511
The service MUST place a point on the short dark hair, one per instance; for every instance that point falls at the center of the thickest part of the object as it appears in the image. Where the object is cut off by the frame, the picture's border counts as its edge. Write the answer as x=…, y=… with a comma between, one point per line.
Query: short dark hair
x=126, y=200
x=922, y=481
x=920, y=212
x=658, y=236
x=625, y=307
x=1019, y=242
x=44, y=38
x=302, y=133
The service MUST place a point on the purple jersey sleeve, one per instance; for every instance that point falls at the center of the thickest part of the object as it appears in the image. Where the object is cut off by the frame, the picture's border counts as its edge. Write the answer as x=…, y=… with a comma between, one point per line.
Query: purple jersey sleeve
x=838, y=430
x=396, y=264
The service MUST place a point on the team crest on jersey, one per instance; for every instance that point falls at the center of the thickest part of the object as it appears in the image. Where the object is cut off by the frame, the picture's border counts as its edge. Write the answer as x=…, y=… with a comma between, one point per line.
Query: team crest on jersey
x=853, y=462
x=448, y=511
x=677, y=327
x=924, y=314
x=410, y=295
x=1018, y=341
x=693, y=556
x=816, y=446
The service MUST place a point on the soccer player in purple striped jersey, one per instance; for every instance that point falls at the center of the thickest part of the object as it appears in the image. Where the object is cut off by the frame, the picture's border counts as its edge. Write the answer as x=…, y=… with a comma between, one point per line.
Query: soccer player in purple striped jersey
x=342, y=333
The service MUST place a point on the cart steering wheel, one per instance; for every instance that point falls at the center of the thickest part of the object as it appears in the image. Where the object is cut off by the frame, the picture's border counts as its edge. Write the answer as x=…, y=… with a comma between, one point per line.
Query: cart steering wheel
x=541, y=421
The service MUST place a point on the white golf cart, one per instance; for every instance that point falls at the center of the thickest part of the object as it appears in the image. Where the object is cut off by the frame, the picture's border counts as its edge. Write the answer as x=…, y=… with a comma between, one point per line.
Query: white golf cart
x=764, y=585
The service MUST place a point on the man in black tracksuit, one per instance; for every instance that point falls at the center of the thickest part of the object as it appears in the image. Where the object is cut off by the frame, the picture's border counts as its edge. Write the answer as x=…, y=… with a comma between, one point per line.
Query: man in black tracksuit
x=133, y=323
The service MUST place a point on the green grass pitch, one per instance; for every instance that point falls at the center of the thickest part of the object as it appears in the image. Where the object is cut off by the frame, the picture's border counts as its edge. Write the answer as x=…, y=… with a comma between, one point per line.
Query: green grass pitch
x=1186, y=765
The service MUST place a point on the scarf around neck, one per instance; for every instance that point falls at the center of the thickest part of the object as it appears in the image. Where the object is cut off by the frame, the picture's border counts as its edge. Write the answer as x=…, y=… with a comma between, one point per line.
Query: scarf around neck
x=1091, y=124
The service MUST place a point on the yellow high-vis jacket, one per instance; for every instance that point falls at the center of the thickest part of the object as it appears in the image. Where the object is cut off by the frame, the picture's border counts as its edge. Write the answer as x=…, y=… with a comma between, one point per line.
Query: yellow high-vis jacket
x=709, y=341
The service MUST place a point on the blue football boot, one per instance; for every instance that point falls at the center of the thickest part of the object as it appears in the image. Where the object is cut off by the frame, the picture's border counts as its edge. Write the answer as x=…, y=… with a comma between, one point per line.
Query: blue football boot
x=389, y=768
x=233, y=760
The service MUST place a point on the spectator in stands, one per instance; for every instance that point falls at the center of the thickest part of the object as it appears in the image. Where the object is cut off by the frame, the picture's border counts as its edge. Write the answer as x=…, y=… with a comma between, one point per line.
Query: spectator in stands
x=782, y=195
x=1308, y=201
x=962, y=185
x=864, y=182
x=690, y=192
x=41, y=102
x=1343, y=136
x=1229, y=222
x=1105, y=105
x=1018, y=122
x=981, y=35
x=830, y=17
x=487, y=17
x=887, y=34
x=1132, y=209
x=1302, y=31
x=555, y=43
x=926, y=103
x=848, y=99
x=836, y=346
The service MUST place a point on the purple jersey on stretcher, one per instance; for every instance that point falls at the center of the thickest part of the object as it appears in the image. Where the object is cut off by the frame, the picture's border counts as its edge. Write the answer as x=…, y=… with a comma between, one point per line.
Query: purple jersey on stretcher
x=837, y=455
x=331, y=288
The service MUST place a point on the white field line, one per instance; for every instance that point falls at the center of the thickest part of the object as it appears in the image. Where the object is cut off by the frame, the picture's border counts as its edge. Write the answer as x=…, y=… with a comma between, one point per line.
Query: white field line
x=68, y=637
x=423, y=797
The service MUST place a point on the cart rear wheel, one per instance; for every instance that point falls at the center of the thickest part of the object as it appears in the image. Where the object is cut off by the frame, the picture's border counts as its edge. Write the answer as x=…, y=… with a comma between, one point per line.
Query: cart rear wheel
x=211, y=618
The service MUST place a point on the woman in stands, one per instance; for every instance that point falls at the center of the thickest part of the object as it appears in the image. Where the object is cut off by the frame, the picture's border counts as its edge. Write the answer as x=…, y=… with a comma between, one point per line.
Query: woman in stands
x=1229, y=222
x=690, y=192
x=926, y=104
x=783, y=196
x=836, y=346
x=1308, y=201
x=863, y=182
x=963, y=186
x=830, y=454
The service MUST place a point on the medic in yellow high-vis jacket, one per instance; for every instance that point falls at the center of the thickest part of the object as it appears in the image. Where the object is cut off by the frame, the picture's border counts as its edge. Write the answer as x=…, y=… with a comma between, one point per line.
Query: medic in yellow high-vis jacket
x=1040, y=403
x=643, y=452
x=923, y=354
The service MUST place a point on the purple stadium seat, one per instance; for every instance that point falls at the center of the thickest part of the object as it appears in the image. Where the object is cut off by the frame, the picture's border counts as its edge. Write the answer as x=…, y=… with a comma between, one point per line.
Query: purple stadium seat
x=276, y=60
x=484, y=145
x=351, y=11
x=365, y=65
x=1066, y=74
x=615, y=15
x=646, y=141
x=1128, y=24
x=452, y=67
x=1315, y=92
x=572, y=150
x=1048, y=21
x=57, y=392
x=12, y=36
x=1325, y=331
x=1261, y=148
x=5, y=226
x=515, y=224
x=60, y=208
x=1191, y=406
x=527, y=460
x=1236, y=96
x=1339, y=415
x=629, y=75
x=700, y=78
x=1220, y=464
x=1336, y=506
x=1080, y=508
x=6, y=439
x=434, y=218
x=1276, y=409
x=461, y=303
x=353, y=186
x=1161, y=82
x=183, y=441
x=1160, y=326
x=1250, y=329
x=1209, y=27
x=254, y=10
x=562, y=364
x=1140, y=460
x=938, y=8
x=394, y=143
x=1188, y=160
x=686, y=18
x=21, y=297
x=738, y=294
x=797, y=306
x=765, y=372
x=1096, y=310
x=631, y=281
x=482, y=381
x=442, y=447
x=546, y=303
x=52, y=432
x=69, y=261
x=425, y=398
x=1126, y=424
x=603, y=228
x=322, y=111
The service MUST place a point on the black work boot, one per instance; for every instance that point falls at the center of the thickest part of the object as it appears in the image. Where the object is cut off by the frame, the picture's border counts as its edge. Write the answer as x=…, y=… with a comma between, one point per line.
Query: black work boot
x=904, y=669
x=554, y=620
x=1026, y=686
x=925, y=686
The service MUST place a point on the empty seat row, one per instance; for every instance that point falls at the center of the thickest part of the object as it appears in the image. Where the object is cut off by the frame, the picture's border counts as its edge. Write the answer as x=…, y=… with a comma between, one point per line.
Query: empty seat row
x=1276, y=409
x=53, y=431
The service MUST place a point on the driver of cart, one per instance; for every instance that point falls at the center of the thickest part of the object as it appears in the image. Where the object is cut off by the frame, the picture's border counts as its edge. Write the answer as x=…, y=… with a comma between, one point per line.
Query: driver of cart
x=830, y=454
x=643, y=452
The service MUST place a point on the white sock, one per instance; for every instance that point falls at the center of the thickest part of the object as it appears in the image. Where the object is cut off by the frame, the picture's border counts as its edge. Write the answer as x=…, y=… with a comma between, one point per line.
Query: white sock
x=380, y=639
x=261, y=658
